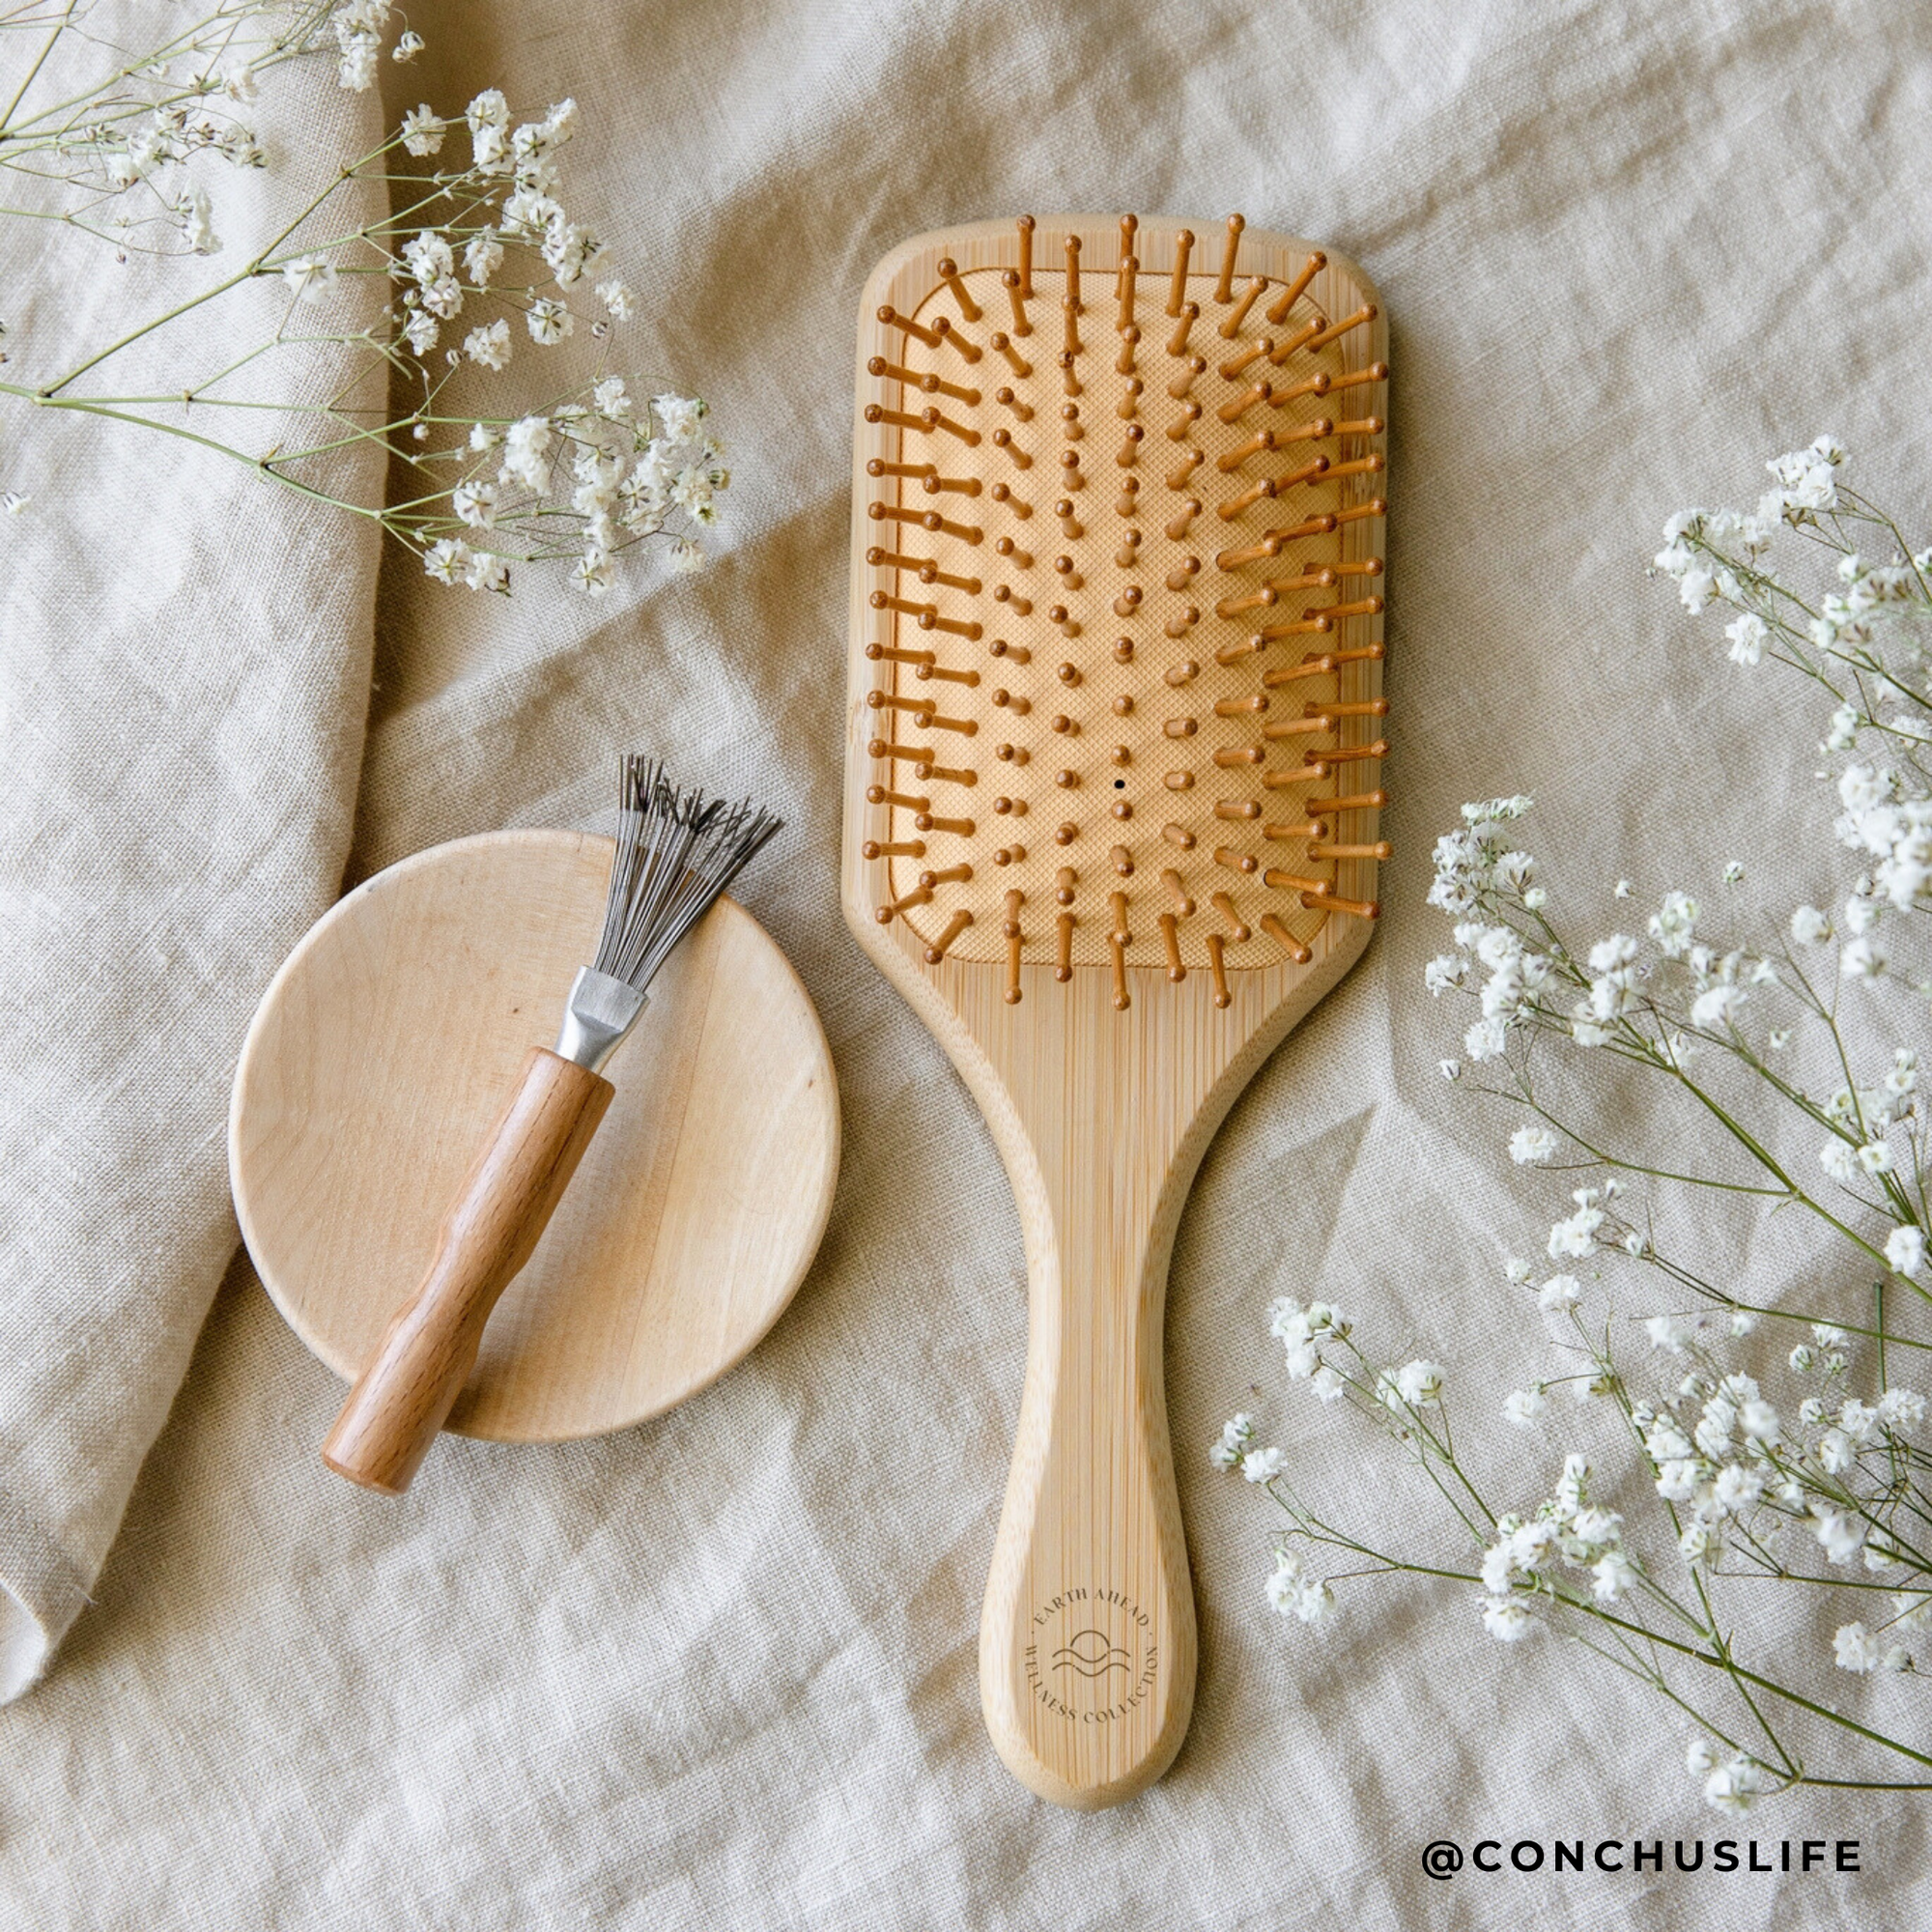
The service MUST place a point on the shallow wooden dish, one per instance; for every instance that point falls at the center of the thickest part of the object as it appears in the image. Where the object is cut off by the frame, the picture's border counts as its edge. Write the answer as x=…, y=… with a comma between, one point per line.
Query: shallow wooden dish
x=380, y=1057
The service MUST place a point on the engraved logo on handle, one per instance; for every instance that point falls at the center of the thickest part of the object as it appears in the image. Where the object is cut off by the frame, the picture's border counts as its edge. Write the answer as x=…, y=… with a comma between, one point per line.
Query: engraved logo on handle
x=1092, y=1655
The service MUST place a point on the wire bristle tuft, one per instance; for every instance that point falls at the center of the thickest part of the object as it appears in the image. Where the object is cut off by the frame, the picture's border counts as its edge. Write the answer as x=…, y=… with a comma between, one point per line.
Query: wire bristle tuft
x=675, y=853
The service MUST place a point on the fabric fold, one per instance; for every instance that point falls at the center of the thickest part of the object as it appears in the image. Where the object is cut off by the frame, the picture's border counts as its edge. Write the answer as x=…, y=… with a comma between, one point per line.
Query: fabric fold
x=185, y=655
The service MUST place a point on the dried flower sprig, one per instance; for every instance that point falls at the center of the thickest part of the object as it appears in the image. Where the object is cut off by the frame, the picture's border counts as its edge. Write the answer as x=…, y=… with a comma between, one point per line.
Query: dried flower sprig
x=1831, y=1496
x=1787, y=1102
x=116, y=143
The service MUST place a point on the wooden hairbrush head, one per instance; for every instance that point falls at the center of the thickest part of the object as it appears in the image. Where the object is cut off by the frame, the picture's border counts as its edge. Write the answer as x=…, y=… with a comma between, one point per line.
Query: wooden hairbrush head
x=1112, y=758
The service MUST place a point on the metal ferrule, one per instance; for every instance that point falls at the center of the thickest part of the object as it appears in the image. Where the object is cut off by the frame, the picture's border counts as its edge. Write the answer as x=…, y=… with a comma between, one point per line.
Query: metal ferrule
x=601, y=1010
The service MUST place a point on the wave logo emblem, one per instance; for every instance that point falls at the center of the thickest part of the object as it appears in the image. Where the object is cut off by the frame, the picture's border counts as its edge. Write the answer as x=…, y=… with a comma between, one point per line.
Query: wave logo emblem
x=1090, y=1654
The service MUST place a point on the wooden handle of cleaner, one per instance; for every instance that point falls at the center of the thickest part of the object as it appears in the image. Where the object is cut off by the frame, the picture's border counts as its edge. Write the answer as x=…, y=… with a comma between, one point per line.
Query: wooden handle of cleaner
x=407, y=1387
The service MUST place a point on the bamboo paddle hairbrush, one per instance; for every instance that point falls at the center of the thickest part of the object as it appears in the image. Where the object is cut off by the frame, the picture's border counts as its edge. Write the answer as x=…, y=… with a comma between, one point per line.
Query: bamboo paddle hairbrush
x=1113, y=747
x=675, y=853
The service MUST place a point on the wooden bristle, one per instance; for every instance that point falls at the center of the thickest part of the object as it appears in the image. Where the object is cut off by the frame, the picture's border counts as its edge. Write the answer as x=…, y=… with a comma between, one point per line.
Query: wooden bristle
x=1010, y=282
x=1184, y=244
x=1223, y=904
x=953, y=927
x=1030, y=803
x=1231, y=324
x=1277, y=310
x=1218, y=966
x=1280, y=934
x=892, y=318
x=1224, y=289
x=1170, y=936
x=952, y=337
x=1300, y=340
x=1322, y=338
x=949, y=273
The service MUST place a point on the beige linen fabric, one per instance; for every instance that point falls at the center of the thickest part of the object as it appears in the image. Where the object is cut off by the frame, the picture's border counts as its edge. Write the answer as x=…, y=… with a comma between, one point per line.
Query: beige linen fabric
x=184, y=677
x=719, y=1671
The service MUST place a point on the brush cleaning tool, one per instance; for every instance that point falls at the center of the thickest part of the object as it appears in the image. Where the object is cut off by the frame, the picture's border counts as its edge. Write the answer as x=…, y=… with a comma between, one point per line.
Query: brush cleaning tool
x=675, y=854
x=1115, y=733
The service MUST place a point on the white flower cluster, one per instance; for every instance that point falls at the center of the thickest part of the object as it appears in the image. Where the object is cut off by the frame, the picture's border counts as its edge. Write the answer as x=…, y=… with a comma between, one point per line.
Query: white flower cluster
x=1416, y=1385
x=1731, y=1464
x=579, y=481
x=359, y=28
x=1861, y=1149
x=1234, y=1449
x=1850, y=616
x=515, y=170
x=1291, y=1588
x=1474, y=861
x=1515, y=974
x=1731, y=1783
x=629, y=469
x=1805, y=485
x=1822, y=1488
x=1528, y=1553
x=1296, y=1593
x=1575, y=1238
x=1892, y=825
x=1858, y=639
x=1302, y=1332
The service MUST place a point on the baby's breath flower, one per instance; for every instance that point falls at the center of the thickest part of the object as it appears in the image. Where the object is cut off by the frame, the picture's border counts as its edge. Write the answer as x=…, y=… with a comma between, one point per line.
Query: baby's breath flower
x=307, y=271
x=679, y=416
x=423, y=129
x=1559, y=1293
x=1532, y=1146
x=526, y=450
x=1747, y=633
x=482, y=257
x=1577, y=1237
x=447, y=559
x=1507, y=1619
x=1856, y=1648
x=475, y=502
x=1228, y=1449
x=486, y=572
x=549, y=321
x=1734, y=1787
x=1674, y=924
x=489, y=344
x=198, y=227
x=1419, y=1383
x=1294, y=1593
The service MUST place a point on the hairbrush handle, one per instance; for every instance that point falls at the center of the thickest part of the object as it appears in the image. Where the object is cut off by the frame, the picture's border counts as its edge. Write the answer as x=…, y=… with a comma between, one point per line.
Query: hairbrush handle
x=1086, y=1639
x=418, y=1370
